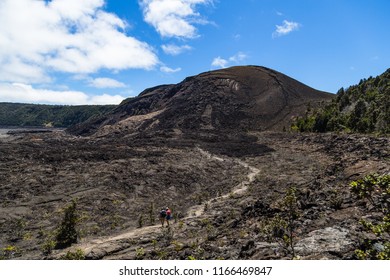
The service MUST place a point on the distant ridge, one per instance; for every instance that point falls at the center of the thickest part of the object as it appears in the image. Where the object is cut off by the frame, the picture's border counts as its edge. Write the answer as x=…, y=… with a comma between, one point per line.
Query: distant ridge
x=236, y=98
x=21, y=114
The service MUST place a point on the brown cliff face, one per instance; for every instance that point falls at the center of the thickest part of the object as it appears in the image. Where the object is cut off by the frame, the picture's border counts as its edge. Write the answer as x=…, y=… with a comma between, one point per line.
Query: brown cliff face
x=239, y=98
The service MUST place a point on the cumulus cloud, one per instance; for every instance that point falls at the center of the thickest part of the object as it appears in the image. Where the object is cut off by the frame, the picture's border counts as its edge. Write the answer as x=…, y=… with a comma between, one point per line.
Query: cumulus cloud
x=106, y=83
x=72, y=36
x=19, y=92
x=14, y=70
x=286, y=28
x=166, y=69
x=173, y=18
x=105, y=99
x=175, y=49
x=219, y=62
x=238, y=57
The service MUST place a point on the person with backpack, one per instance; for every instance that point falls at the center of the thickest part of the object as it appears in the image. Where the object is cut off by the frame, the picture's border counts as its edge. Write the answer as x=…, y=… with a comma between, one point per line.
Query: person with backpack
x=168, y=215
x=163, y=215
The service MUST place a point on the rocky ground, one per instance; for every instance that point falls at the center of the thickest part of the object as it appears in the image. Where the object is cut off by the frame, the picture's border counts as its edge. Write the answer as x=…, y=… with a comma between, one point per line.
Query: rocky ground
x=223, y=191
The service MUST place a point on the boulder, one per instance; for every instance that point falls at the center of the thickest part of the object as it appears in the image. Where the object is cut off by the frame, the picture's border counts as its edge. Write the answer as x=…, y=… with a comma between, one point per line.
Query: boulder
x=334, y=240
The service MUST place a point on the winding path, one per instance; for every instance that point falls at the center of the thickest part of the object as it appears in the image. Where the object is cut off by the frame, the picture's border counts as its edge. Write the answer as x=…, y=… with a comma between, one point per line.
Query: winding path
x=198, y=210
x=104, y=246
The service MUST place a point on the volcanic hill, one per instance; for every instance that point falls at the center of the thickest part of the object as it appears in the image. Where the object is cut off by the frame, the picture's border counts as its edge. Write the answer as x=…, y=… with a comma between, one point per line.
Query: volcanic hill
x=243, y=97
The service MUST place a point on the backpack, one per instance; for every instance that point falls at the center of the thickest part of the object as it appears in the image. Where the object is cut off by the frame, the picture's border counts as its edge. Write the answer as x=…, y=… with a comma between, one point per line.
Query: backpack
x=163, y=213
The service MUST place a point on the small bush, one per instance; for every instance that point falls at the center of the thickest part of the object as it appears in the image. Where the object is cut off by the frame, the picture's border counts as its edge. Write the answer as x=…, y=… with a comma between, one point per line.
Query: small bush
x=282, y=228
x=139, y=253
x=67, y=233
x=335, y=199
x=9, y=252
x=78, y=255
x=376, y=190
x=140, y=221
x=48, y=247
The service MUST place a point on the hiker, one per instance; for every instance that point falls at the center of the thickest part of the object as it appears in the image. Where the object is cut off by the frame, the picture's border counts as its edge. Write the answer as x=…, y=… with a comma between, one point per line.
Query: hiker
x=168, y=215
x=163, y=215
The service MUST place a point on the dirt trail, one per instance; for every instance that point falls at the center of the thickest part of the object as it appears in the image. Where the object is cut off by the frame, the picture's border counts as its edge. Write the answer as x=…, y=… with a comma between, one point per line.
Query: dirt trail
x=127, y=235
x=107, y=244
x=198, y=210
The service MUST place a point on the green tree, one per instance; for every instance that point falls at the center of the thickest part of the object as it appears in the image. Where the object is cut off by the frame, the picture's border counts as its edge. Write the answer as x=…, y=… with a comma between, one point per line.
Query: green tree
x=363, y=108
x=67, y=233
x=282, y=227
x=357, y=120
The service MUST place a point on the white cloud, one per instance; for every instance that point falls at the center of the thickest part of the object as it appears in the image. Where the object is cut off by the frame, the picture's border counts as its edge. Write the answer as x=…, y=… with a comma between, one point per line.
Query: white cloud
x=238, y=57
x=105, y=99
x=166, y=69
x=219, y=62
x=286, y=28
x=13, y=69
x=73, y=36
x=18, y=92
x=174, y=49
x=106, y=83
x=173, y=18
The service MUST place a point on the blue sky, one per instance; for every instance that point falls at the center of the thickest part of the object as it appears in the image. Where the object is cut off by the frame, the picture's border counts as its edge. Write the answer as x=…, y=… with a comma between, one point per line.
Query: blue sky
x=100, y=52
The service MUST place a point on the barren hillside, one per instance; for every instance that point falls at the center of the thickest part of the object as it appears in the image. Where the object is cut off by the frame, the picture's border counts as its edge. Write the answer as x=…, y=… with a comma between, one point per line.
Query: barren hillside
x=237, y=98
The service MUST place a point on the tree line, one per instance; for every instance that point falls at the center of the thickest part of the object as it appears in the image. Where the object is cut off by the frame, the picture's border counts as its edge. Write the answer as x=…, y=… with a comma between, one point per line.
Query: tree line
x=18, y=114
x=361, y=108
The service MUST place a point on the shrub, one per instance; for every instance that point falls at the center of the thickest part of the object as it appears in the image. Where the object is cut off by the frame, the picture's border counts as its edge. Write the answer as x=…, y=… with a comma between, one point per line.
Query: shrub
x=140, y=221
x=139, y=253
x=376, y=190
x=67, y=233
x=282, y=228
x=78, y=255
x=335, y=199
x=9, y=252
x=48, y=247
